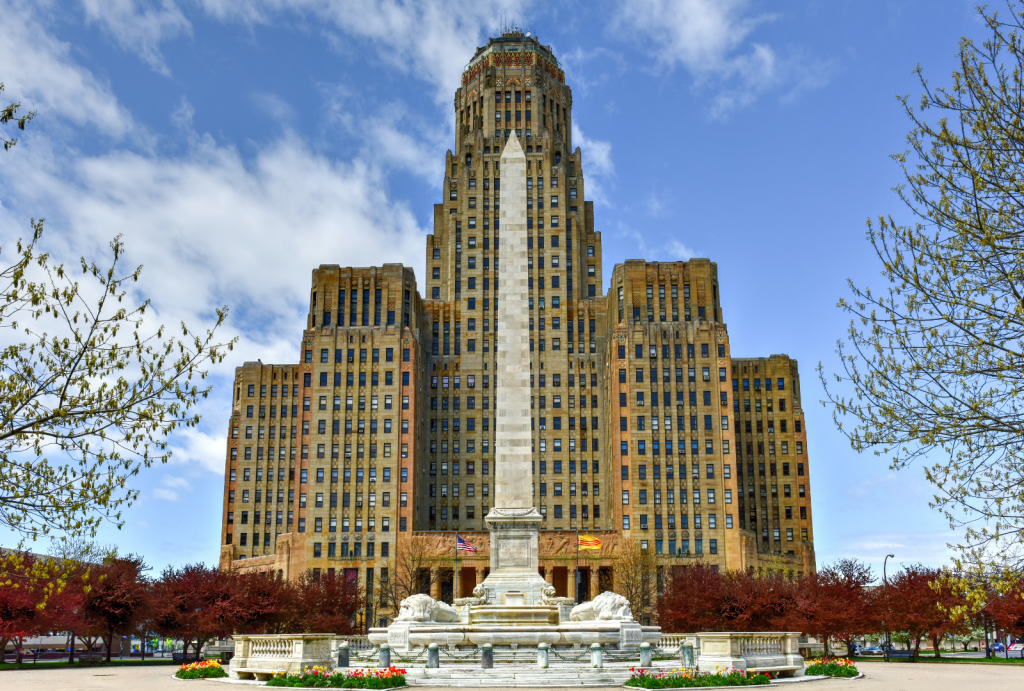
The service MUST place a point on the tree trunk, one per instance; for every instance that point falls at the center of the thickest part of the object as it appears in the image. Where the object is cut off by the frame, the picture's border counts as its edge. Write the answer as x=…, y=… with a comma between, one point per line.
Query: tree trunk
x=849, y=647
x=935, y=644
x=109, y=642
x=71, y=653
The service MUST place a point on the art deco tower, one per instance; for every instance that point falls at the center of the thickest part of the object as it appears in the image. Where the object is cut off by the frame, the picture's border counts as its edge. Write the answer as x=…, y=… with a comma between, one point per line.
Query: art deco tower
x=514, y=84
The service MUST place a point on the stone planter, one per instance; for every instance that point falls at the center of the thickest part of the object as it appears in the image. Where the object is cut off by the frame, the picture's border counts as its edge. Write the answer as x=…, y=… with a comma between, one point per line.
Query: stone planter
x=774, y=652
x=260, y=656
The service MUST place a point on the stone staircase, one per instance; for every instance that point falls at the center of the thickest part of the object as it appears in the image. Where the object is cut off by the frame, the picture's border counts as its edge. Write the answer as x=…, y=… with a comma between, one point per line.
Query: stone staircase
x=517, y=675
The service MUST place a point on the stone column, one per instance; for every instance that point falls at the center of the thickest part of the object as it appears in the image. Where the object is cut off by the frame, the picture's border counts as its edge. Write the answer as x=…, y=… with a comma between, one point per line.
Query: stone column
x=435, y=583
x=549, y=574
x=595, y=573
x=572, y=583
x=479, y=576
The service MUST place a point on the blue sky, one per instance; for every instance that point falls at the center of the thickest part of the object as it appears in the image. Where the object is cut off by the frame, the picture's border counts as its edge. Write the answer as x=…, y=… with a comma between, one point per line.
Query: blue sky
x=237, y=144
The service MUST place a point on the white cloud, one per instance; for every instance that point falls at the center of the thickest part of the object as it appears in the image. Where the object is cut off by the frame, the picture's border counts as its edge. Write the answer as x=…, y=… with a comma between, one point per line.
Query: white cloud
x=700, y=34
x=710, y=39
x=598, y=167
x=276, y=107
x=210, y=226
x=139, y=25
x=432, y=39
x=175, y=482
x=678, y=250
x=39, y=72
x=165, y=494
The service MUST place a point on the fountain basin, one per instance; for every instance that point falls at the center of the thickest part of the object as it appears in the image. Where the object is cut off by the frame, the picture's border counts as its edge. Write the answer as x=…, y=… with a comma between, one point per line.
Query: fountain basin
x=513, y=615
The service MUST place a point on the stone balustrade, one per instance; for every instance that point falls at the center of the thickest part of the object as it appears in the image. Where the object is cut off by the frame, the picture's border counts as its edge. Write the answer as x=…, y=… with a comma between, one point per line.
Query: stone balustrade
x=260, y=656
x=775, y=652
x=358, y=642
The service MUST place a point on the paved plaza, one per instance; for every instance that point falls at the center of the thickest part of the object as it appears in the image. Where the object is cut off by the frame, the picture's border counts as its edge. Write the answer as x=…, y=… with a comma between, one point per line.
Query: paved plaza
x=878, y=677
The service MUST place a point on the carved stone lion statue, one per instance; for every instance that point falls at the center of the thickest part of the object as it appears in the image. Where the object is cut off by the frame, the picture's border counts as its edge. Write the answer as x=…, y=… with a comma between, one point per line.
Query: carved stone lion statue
x=423, y=608
x=607, y=606
x=479, y=597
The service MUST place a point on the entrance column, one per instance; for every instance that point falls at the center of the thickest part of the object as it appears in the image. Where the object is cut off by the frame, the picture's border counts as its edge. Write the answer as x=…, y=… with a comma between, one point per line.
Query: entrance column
x=435, y=583
x=479, y=576
x=594, y=581
x=572, y=583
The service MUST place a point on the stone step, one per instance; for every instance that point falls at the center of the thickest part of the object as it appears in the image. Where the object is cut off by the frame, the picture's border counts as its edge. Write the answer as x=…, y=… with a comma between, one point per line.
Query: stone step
x=497, y=677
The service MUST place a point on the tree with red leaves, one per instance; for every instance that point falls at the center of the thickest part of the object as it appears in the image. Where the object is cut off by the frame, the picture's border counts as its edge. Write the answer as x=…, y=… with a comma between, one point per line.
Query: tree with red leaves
x=324, y=603
x=268, y=602
x=765, y=602
x=836, y=603
x=118, y=599
x=693, y=600
x=1007, y=610
x=701, y=599
x=197, y=602
x=918, y=602
x=19, y=603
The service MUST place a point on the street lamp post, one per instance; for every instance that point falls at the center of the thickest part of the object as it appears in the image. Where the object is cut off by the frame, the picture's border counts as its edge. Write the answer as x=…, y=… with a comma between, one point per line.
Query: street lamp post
x=885, y=586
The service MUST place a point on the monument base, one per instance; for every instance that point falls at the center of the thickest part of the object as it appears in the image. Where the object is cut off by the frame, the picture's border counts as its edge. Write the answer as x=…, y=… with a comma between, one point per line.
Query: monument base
x=614, y=635
x=514, y=579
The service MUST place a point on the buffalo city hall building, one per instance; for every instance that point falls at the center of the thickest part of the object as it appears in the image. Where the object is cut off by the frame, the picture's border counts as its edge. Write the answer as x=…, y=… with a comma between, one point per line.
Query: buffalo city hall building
x=645, y=425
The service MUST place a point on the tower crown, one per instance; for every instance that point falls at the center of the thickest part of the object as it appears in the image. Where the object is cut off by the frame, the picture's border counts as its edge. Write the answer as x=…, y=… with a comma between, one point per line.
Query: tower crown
x=513, y=49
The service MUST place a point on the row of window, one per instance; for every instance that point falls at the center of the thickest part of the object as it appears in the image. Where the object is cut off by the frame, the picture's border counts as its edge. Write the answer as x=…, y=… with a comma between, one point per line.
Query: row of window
x=318, y=522
x=786, y=491
x=321, y=474
x=671, y=499
x=676, y=351
x=322, y=403
x=641, y=447
x=666, y=375
x=712, y=523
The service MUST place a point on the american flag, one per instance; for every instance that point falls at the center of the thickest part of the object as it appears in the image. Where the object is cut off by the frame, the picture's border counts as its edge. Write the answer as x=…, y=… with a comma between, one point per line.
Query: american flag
x=463, y=546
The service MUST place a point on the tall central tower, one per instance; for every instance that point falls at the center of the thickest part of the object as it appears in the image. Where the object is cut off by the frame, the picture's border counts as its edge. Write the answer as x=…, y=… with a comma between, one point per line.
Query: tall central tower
x=513, y=85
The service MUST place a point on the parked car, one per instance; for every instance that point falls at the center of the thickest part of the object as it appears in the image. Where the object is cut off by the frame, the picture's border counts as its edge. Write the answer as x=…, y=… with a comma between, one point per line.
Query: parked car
x=871, y=651
x=998, y=647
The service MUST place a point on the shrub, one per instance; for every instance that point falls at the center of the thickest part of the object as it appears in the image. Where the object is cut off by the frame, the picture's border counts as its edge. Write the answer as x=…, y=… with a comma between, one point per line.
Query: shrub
x=207, y=669
x=832, y=667
x=677, y=678
x=319, y=677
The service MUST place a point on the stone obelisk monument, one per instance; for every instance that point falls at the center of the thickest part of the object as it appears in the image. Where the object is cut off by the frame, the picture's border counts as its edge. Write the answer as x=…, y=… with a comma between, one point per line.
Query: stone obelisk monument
x=513, y=521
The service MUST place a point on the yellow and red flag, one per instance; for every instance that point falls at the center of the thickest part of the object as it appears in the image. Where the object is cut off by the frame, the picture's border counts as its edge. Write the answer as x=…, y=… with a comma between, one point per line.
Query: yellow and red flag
x=589, y=543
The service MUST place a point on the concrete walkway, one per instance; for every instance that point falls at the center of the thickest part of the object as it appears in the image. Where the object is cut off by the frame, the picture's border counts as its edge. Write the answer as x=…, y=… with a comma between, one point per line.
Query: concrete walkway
x=878, y=676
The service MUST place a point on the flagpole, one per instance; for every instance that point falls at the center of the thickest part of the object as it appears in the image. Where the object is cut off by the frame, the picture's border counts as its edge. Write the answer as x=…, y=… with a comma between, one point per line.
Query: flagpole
x=455, y=574
x=577, y=566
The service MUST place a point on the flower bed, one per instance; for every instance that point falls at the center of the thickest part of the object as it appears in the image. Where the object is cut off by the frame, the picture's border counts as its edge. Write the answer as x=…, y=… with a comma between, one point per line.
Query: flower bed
x=207, y=669
x=684, y=678
x=319, y=677
x=832, y=667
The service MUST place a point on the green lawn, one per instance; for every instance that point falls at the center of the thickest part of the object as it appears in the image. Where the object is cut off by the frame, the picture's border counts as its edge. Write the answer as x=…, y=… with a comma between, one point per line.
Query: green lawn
x=51, y=664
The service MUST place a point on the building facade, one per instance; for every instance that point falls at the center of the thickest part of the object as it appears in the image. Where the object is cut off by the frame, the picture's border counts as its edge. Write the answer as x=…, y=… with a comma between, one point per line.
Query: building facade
x=645, y=427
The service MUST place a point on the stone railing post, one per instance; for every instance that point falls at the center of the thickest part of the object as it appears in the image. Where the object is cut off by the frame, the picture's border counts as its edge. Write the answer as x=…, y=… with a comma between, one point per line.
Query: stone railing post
x=596, y=656
x=384, y=656
x=433, y=656
x=645, y=654
x=487, y=657
x=343, y=654
x=542, y=655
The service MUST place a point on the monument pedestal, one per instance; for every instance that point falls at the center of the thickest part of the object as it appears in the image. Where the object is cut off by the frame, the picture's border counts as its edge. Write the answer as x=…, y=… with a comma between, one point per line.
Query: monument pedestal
x=514, y=579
